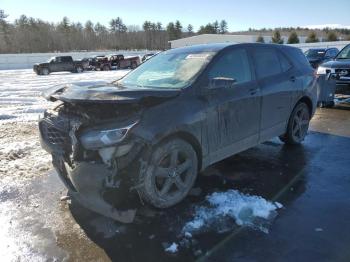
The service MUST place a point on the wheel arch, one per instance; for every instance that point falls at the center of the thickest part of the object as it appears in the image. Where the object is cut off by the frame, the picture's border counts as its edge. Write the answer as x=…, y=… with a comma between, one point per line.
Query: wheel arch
x=307, y=100
x=189, y=138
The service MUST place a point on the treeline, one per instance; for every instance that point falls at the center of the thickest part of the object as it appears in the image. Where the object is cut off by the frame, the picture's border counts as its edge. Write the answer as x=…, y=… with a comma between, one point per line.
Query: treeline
x=293, y=38
x=30, y=35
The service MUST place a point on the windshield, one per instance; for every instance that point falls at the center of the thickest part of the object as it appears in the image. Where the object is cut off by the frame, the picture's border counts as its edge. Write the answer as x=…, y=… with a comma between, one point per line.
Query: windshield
x=168, y=70
x=315, y=53
x=345, y=53
x=51, y=59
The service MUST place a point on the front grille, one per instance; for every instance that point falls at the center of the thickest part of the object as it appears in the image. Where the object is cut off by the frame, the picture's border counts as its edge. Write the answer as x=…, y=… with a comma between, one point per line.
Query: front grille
x=343, y=72
x=55, y=131
x=55, y=136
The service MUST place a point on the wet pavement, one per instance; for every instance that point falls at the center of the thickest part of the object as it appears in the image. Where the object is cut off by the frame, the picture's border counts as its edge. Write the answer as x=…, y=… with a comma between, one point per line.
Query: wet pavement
x=312, y=181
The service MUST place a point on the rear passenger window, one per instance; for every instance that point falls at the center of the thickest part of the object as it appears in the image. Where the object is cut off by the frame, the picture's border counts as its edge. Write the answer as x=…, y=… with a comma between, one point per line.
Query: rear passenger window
x=234, y=64
x=267, y=62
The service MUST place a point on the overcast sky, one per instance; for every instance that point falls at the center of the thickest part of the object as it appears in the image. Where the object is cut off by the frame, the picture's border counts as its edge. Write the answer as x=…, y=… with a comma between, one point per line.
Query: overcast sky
x=240, y=15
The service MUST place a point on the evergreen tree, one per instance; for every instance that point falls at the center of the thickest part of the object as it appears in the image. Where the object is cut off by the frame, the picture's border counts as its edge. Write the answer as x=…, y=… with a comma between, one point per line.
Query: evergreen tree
x=223, y=27
x=4, y=31
x=312, y=38
x=293, y=38
x=276, y=37
x=178, y=29
x=190, y=29
x=208, y=29
x=171, y=31
x=332, y=36
x=216, y=27
x=260, y=39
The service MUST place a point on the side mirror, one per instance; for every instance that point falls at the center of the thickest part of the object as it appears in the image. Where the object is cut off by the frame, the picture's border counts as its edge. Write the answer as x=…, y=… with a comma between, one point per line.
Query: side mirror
x=221, y=82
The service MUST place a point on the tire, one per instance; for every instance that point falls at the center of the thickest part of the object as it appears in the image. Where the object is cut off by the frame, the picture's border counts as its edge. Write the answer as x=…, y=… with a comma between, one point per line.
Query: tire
x=298, y=125
x=44, y=71
x=169, y=174
x=133, y=65
x=79, y=69
x=105, y=68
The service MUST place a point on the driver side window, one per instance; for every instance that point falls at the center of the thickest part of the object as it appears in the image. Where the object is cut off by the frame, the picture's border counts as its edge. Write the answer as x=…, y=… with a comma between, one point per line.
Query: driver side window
x=233, y=64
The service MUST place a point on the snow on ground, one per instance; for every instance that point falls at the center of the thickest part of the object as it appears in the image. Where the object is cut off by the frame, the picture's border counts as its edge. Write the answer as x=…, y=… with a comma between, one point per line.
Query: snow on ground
x=21, y=104
x=232, y=206
x=20, y=90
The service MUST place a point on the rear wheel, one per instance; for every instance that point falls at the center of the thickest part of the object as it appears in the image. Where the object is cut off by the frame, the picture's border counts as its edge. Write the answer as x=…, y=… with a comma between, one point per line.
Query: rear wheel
x=133, y=65
x=105, y=68
x=298, y=125
x=170, y=174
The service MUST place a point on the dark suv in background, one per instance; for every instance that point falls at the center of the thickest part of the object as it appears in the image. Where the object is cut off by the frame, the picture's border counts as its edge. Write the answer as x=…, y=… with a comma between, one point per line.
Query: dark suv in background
x=317, y=56
x=150, y=133
x=338, y=68
x=58, y=64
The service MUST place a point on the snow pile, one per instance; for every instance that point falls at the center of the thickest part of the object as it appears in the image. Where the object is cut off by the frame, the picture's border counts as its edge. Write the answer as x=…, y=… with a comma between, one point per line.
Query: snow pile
x=173, y=248
x=20, y=90
x=232, y=206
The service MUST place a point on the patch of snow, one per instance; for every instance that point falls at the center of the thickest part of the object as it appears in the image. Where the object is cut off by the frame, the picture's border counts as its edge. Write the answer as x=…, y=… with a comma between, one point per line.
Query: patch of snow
x=20, y=90
x=173, y=248
x=232, y=206
x=188, y=235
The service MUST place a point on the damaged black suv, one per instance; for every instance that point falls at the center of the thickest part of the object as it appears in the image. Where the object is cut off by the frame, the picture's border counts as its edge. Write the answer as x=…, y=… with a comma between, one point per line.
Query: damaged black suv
x=152, y=131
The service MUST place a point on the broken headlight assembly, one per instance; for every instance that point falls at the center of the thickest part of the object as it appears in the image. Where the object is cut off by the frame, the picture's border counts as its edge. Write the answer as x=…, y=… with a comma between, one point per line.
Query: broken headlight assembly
x=104, y=136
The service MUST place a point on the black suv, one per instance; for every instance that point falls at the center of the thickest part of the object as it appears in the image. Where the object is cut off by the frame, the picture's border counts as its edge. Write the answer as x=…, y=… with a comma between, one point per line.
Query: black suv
x=152, y=131
x=317, y=56
x=338, y=68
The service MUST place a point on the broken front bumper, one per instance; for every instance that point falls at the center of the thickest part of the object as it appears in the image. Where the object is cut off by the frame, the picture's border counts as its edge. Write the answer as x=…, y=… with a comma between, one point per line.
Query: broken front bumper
x=86, y=183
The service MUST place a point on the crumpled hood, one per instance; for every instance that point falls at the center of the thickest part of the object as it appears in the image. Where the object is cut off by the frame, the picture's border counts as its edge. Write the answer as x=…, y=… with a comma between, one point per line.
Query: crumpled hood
x=104, y=92
x=340, y=63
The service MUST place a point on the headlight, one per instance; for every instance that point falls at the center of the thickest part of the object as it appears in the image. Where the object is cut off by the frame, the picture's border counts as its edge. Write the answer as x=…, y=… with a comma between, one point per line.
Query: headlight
x=95, y=139
x=321, y=70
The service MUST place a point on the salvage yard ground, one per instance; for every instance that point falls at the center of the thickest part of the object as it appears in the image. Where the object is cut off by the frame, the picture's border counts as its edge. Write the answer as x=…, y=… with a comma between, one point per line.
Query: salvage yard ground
x=281, y=203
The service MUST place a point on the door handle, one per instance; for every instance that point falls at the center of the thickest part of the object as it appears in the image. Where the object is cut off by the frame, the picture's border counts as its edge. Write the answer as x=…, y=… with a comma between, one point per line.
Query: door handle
x=292, y=78
x=253, y=91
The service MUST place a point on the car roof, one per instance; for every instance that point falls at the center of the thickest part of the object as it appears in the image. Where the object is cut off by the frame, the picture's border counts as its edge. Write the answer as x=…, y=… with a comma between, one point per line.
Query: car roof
x=216, y=47
x=200, y=48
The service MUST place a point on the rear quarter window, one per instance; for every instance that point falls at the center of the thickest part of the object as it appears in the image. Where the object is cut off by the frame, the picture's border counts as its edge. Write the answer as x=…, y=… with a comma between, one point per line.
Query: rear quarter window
x=298, y=58
x=267, y=62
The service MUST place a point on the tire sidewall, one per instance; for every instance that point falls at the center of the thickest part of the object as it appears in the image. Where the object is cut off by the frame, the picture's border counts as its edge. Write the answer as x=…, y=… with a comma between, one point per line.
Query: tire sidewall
x=148, y=189
x=44, y=71
x=289, y=135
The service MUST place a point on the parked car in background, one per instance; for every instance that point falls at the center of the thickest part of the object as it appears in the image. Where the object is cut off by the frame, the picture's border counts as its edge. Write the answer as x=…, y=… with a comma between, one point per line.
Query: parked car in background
x=100, y=63
x=317, y=56
x=118, y=61
x=147, y=56
x=151, y=132
x=339, y=68
x=58, y=64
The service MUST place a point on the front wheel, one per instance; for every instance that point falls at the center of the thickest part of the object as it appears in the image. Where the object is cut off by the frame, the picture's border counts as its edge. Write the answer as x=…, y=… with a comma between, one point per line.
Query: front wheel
x=298, y=125
x=170, y=173
x=44, y=71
